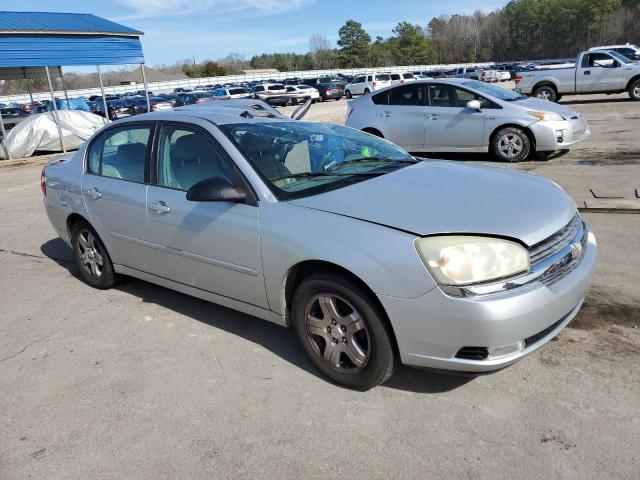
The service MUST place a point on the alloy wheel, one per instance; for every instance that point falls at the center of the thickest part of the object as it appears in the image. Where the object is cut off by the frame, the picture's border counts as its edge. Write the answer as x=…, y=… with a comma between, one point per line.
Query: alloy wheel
x=91, y=255
x=544, y=94
x=510, y=145
x=337, y=333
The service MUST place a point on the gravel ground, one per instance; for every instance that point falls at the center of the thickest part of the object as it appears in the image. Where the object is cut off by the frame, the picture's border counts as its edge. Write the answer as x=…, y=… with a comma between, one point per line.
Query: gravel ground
x=143, y=382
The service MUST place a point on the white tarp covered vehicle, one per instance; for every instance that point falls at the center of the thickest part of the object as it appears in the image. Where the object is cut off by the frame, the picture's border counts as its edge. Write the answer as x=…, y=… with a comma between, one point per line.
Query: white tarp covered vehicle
x=39, y=133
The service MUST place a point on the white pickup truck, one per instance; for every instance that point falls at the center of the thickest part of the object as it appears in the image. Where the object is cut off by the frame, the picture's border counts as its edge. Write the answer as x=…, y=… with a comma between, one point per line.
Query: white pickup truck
x=598, y=71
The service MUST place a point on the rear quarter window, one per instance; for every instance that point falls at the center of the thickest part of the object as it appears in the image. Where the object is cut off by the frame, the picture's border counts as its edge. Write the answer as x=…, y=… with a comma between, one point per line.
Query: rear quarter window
x=383, y=78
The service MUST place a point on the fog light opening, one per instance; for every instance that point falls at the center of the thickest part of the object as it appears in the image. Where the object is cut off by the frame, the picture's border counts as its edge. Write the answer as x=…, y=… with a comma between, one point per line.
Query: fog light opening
x=559, y=136
x=505, y=350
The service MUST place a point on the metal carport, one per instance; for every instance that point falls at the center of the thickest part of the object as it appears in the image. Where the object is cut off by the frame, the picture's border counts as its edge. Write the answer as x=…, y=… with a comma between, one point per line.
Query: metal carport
x=31, y=43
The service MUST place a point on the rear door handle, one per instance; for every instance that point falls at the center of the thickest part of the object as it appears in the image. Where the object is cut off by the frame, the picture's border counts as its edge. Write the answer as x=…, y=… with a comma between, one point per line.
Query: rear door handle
x=385, y=114
x=94, y=193
x=159, y=207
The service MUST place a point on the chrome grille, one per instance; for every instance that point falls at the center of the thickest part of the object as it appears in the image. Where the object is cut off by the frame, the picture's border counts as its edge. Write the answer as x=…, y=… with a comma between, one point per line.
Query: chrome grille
x=556, y=242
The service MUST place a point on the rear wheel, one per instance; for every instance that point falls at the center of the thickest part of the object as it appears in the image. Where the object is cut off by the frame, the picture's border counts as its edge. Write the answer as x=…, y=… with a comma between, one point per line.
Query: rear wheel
x=546, y=92
x=634, y=90
x=348, y=94
x=366, y=90
x=343, y=331
x=510, y=144
x=92, y=257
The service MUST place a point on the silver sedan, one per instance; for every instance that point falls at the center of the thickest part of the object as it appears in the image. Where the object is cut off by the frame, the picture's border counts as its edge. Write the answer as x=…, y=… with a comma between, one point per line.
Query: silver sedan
x=461, y=115
x=373, y=257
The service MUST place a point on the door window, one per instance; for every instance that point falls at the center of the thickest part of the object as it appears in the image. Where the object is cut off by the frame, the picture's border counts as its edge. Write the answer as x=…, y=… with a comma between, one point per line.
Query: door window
x=186, y=157
x=413, y=95
x=442, y=95
x=121, y=153
x=598, y=60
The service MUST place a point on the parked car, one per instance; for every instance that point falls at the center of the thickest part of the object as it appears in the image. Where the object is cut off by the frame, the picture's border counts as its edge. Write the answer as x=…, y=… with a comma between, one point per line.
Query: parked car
x=11, y=116
x=225, y=93
x=444, y=265
x=632, y=52
x=192, y=98
x=272, y=93
x=182, y=90
x=597, y=71
x=328, y=91
x=363, y=84
x=460, y=115
x=401, y=77
x=173, y=98
x=117, y=108
x=156, y=103
x=300, y=93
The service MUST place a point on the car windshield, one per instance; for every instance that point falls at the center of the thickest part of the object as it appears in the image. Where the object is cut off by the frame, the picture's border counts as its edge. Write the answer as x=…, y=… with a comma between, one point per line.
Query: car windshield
x=298, y=159
x=496, y=92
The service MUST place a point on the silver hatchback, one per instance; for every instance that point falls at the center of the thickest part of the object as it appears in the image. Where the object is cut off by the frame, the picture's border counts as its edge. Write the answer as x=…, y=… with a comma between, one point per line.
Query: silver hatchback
x=374, y=257
x=462, y=115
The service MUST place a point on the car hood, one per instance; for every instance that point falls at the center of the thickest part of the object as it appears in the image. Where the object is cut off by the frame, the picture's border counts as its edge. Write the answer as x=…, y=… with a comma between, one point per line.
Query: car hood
x=538, y=105
x=438, y=197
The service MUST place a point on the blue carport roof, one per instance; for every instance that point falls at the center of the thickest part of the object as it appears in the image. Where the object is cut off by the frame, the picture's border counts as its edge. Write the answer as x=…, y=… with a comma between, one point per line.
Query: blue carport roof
x=64, y=23
x=38, y=39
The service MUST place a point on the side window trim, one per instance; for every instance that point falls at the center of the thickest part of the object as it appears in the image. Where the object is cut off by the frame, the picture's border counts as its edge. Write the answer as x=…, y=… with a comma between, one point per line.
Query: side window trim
x=252, y=198
x=108, y=131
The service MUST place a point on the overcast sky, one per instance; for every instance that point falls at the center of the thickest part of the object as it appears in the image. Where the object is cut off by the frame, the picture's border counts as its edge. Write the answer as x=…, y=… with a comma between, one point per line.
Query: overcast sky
x=177, y=29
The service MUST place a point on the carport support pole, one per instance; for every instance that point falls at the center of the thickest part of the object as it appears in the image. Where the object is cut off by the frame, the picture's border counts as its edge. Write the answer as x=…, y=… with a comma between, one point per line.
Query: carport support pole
x=7, y=155
x=29, y=90
x=66, y=95
x=146, y=88
x=104, y=99
x=56, y=119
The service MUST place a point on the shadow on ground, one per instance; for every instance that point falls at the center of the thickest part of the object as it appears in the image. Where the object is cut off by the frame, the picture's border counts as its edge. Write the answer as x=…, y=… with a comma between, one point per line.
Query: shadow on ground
x=276, y=339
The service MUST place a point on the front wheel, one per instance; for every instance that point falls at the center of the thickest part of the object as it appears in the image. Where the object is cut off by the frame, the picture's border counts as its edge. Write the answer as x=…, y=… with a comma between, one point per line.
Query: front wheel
x=634, y=90
x=546, y=92
x=510, y=144
x=343, y=332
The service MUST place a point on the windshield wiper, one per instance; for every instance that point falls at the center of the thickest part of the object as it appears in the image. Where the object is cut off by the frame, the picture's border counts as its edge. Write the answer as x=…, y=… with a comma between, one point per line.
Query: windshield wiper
x=304, y=175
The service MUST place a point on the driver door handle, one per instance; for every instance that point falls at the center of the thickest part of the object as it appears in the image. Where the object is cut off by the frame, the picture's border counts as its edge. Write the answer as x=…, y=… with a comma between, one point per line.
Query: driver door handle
x=94, y=193
x=431, y=116
x=159, y=207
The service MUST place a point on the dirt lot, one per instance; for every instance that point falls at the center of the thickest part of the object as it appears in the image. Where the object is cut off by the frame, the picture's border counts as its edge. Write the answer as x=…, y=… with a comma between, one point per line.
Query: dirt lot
x=143, y=382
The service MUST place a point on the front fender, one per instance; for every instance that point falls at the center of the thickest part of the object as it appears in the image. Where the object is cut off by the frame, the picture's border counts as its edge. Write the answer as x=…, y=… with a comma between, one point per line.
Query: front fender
x=385, y=259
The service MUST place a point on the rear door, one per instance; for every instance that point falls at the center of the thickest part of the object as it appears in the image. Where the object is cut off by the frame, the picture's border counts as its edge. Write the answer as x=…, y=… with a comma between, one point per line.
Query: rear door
x=114, y=191
x=213, y=246
x=401, y=111
x=450, y=125
x=599, y=72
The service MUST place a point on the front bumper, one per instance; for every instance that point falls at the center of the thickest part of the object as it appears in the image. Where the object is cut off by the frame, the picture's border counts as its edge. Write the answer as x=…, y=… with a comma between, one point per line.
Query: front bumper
x=432, y=329
x=551, y=136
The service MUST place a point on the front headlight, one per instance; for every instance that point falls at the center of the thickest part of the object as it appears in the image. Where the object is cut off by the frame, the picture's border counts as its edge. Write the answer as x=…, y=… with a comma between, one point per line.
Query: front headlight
x=465, y=260
x=547, y=116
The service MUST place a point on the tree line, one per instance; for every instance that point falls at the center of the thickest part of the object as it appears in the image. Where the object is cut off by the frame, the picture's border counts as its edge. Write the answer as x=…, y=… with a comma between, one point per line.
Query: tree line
x=521, y=30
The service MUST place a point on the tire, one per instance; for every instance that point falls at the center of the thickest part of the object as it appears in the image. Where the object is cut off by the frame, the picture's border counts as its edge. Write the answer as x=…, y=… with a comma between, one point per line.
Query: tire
x=348, y=94
x=558, y=97
x=634, y=90
x=366, y=90
x=510, y=144
x=362, y=354
x=546, y=92
x=91, y=256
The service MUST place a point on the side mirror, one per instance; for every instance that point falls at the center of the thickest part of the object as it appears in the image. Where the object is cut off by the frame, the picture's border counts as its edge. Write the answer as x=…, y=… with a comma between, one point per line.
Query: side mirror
x=474, y=105
x=215, y=189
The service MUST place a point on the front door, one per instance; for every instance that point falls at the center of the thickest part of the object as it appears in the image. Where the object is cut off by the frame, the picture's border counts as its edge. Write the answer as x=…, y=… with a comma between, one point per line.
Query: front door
x=114, y=191
x=214, y=246
x=599, y=72
x=450, y=125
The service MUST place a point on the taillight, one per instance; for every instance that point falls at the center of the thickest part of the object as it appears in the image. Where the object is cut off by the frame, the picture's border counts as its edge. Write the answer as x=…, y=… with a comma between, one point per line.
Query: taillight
x=200, y=100
x=518, y=79
x=374, y=84
x=43, y=182
x=154, y=106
